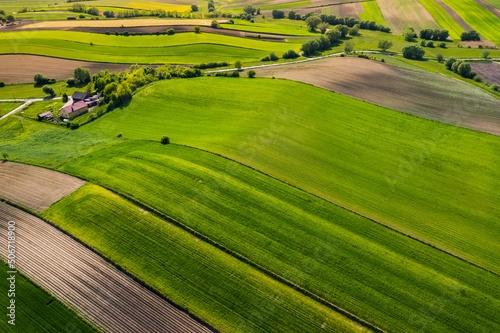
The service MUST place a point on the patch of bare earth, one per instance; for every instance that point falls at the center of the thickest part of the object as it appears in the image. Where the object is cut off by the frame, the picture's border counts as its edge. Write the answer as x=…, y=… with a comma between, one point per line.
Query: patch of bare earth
x=86, y=283
x=489, y=71
x=423, y=94
x=20, y=68
x=34, y=187
x=475, y=44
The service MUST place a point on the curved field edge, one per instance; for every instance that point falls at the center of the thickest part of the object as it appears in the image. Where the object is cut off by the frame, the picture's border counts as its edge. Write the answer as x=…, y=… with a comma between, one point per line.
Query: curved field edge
x=354, y=263
x=435, y=198
x=37, y=310
x=228, y=294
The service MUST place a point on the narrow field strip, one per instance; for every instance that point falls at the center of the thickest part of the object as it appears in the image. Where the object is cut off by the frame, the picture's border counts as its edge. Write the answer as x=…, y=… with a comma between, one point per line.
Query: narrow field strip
x=445, y=16
x=401, y=14
x=372, y=13
x=34, y=187
x=86, y=282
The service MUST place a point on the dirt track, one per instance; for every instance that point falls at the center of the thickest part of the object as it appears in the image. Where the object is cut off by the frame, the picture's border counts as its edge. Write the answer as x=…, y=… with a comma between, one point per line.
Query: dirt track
x=84, y=281
x=20, y=68
x=427, y=95
x=34, y=187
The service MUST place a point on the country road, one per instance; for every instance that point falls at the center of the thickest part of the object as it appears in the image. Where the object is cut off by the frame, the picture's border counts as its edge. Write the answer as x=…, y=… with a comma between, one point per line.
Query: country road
x=26, y=103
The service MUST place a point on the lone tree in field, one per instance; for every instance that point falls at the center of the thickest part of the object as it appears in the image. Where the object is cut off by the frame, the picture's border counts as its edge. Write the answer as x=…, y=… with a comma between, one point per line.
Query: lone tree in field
x=384, y=44
x=165, y=140
x=439, y=57
x=249, y=9
x=313, y=22
x=82, y=75
x=238, y=64
x=348, y=48
x=5, y=156
x=194, y=8
x=485, y=54
x=408, y=34
x=413, y=52
x=197, y=29
x=251, y=74
x=215, y=24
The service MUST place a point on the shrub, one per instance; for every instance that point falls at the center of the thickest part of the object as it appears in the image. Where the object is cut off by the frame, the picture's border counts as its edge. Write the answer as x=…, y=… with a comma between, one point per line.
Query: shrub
x=251, y=74
x=323, y=26
x=413, y=52
x=334, y=35
x=170, y=32
x=249, y=9
x=238, y=64
x=278, y=14
x=41, y=80
x=442, y=45
x=422, y=43
x=5, y=156
x=214, y=24
x=478, y=78
x=273, y=56
x=312, y=22
x=126, y=34
x=495, y=87
x=485, y=54
x=165, y=140
x=71, y=18
x=408, y=34
x=2, y=84
x=107, y=33
x=384, y=44
x=291, y=15
x=449, y=62
x=65, y=98
x=439, y=57
x=194, y=8
x=235, y=74
x=70, y=82
x=290, y=54
x=197, y=29
x=470, y=35
x=354, y=31
x=382, y=60
x=81, y=16
x=266, y=58
x=48, y=90
x=309, y=47
x=348, y=48
x=82, y=75
x=430, y=44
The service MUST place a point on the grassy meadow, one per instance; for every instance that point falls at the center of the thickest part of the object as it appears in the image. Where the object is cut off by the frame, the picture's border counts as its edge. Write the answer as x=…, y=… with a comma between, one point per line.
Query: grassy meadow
x=47, y=145
x=225, y=292
x=37, y=311
x=6, y=107
x=352, y=262
x=28, y=90
x=433, y=181
x=372, y=13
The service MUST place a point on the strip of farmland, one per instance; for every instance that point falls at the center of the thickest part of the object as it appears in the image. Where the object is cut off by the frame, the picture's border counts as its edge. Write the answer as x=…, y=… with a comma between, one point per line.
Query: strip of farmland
x=86, y=282
x=34, y=187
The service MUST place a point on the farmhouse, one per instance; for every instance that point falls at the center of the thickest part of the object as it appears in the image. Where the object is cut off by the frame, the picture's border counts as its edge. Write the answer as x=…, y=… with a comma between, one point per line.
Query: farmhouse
x=81, y=102
x=74, y=110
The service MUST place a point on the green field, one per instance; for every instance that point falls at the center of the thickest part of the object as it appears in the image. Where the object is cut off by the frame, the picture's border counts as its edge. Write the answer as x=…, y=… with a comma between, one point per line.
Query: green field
x=48, y=16
x=273, y=26
x=28, y=90
x=6, y=107
x=45, y=144
x=495, y=3
x=179, y=48
x=372, y=13
x=32, y=110
x=230, y=295
x=36, y=311
x=446, y=199
x=478, y=17
x=443, y=18
x=352, y=262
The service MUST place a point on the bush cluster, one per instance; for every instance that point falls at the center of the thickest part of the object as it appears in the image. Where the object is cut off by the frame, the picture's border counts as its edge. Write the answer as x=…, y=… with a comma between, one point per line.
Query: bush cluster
x=413, y=52
x=290, y=54
x=434, y=34
x=228, y=74
x=470, y=35
x=271, y=57
x=462, y=68
x=40, y=80
x=211, y=65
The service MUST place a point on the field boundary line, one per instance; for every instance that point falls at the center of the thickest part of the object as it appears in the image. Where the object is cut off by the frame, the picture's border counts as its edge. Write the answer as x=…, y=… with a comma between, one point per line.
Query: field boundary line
x=244, y=259
x=111, y=262
x=348, y=209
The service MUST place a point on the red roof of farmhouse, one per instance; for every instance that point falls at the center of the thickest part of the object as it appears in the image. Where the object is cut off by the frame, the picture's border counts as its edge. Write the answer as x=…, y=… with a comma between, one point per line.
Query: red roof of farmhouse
x=75, y=107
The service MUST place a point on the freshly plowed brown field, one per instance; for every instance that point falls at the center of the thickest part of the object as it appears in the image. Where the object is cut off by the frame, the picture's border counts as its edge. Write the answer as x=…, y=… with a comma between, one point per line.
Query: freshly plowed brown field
x=87, y=283
x=423, y=94
x=34, y=187
x=20, y=68
x=489, y=71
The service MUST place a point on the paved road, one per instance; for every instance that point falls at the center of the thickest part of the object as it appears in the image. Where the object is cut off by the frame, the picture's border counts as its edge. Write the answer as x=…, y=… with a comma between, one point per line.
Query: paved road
x=26, y=103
